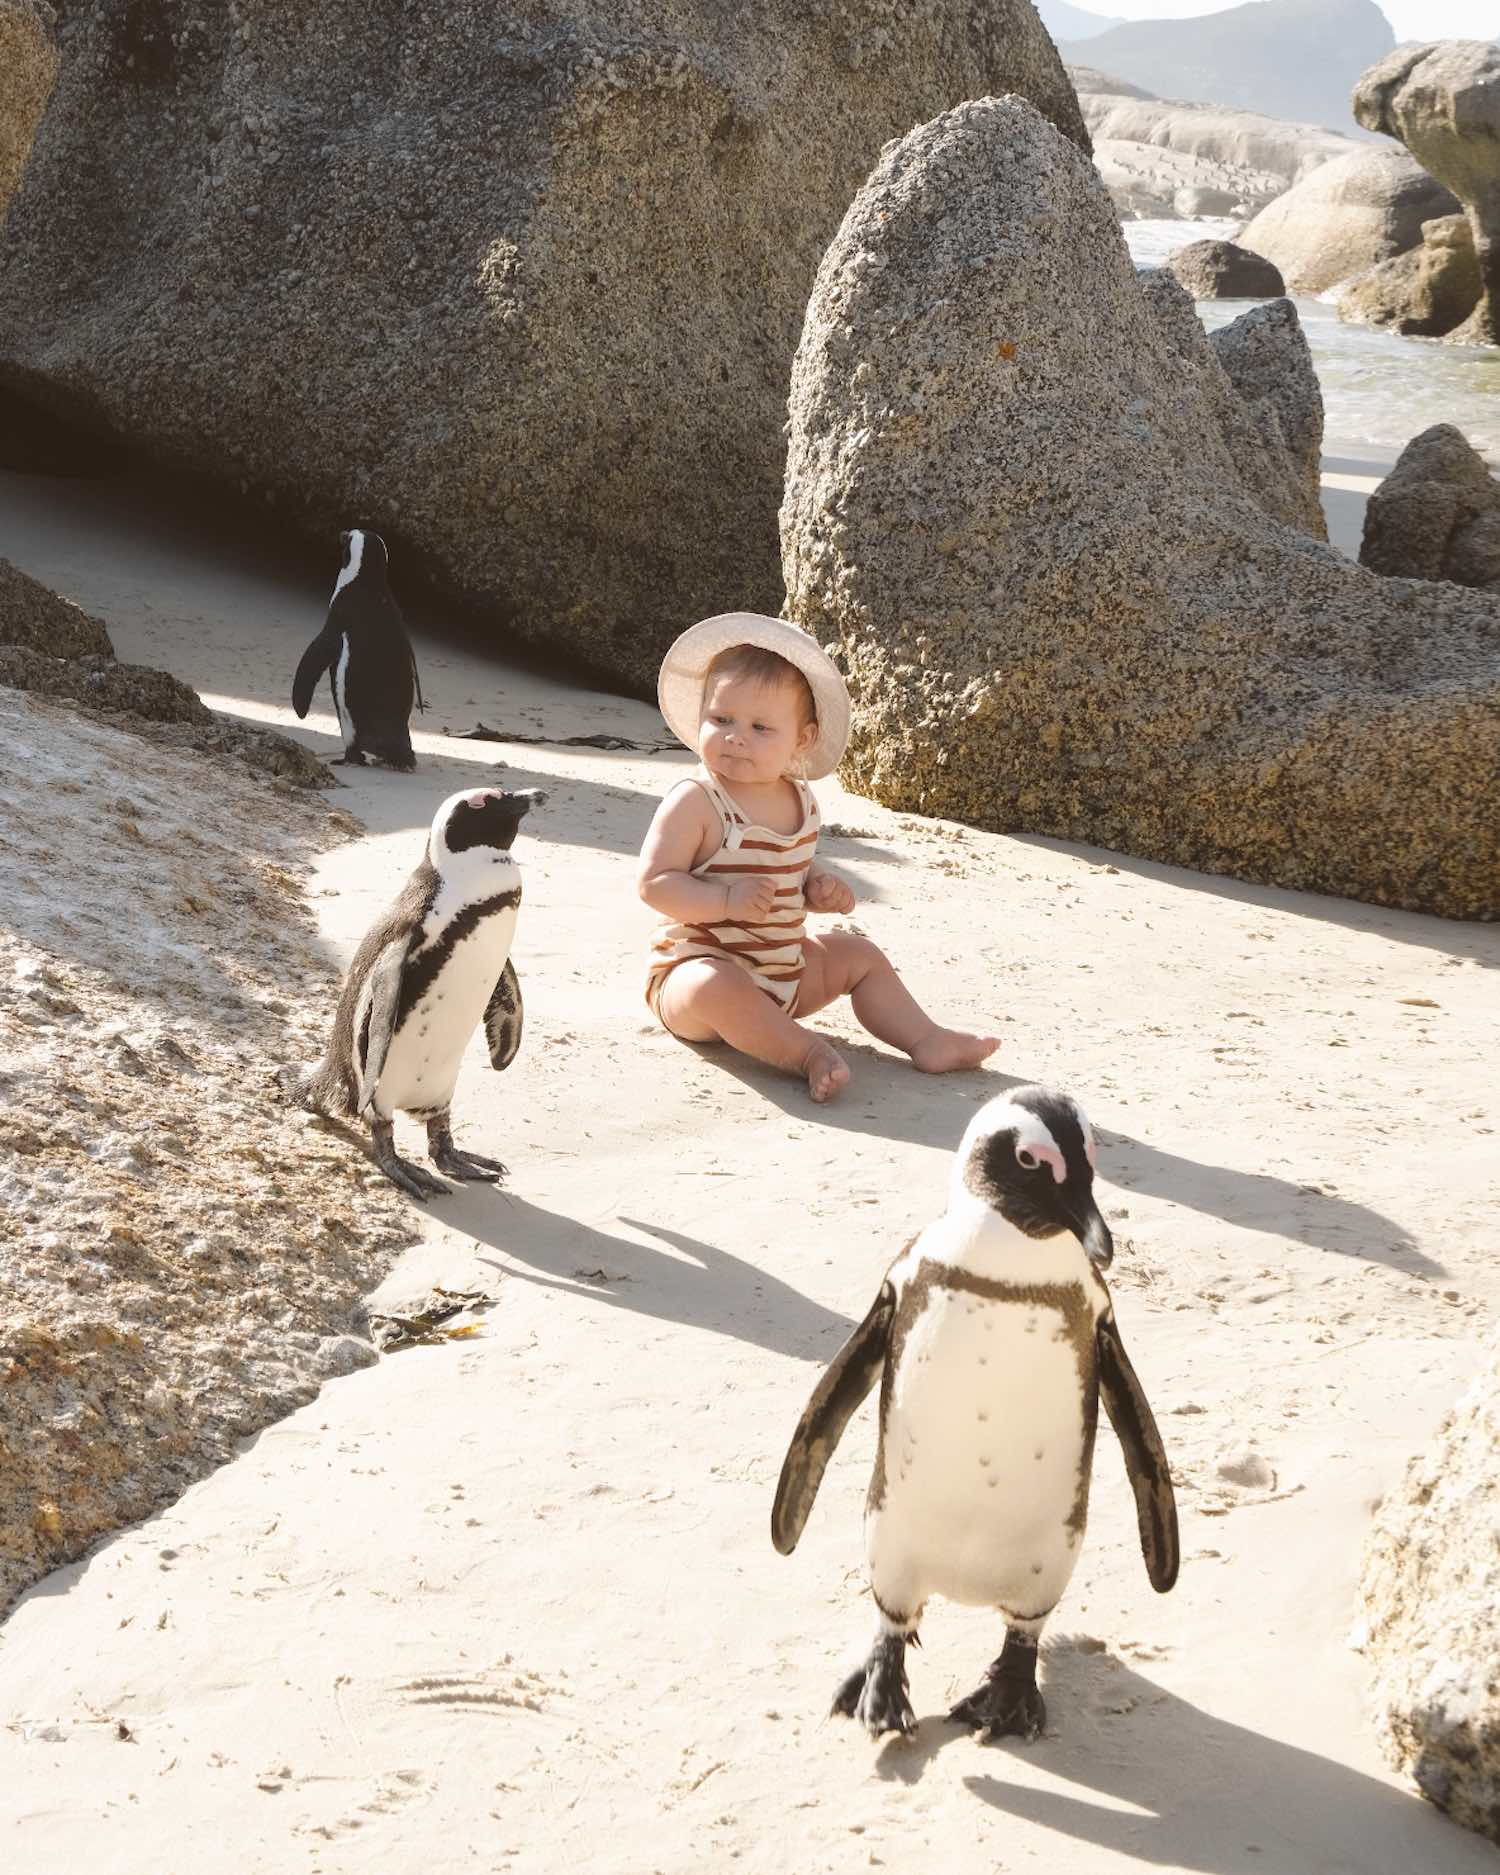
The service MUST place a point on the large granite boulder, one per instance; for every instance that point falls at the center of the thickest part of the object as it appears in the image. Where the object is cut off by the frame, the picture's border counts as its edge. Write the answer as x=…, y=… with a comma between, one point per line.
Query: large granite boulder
x=1265, y=356
x=1425, y=293
x=1347, y=215
x=1436, y=515
x=33, y=616
x=519, y=285
x=1020, y=513
x=1222, y=270
x=1089, y=79
x=1443, y=102
x=1431, y=1593
x=1213, y=133
x=28, y=68
x=1145, y=180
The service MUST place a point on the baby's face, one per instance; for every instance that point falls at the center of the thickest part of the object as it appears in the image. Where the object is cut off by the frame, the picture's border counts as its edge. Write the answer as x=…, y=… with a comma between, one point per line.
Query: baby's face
x=752, y=732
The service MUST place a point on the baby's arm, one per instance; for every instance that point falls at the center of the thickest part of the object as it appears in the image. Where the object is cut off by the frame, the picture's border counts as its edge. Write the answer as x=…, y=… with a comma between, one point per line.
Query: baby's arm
x=825, y=891
x=684, y=829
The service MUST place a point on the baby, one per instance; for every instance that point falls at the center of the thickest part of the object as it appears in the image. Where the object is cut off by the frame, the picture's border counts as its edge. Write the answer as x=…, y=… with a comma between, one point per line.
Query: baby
x=729, y=863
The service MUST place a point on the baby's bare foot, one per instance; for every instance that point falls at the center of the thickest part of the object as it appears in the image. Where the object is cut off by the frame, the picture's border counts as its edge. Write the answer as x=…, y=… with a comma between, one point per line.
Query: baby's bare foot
x=826, y=1070
x=944, y=1050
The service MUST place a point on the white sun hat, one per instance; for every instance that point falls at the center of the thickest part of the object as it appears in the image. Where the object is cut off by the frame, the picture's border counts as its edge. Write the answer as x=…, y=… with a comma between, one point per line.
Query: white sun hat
x=679, y=689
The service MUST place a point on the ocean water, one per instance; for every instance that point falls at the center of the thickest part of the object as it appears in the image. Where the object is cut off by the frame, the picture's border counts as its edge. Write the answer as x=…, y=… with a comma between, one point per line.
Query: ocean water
x=1378, y=390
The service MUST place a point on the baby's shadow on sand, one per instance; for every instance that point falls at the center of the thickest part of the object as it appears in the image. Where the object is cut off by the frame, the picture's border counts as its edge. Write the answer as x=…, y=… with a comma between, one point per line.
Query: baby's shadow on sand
x=686, y=1280
x=1202, y=1794
x=879, y=1102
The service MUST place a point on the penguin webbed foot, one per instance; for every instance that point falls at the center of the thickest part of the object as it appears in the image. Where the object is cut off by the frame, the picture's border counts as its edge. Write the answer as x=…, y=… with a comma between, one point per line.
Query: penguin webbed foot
x=876, y=1693
x=415, y=1182
x=447, y=1157
x=1009, y=1704
x=351, y=758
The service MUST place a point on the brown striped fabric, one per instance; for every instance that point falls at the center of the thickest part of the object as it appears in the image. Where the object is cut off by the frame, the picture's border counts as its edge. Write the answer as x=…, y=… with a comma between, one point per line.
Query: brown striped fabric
x=770, y=950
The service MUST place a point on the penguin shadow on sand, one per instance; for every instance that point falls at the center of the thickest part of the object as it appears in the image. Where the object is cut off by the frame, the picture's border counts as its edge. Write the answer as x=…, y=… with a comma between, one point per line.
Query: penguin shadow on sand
x=1159, y=1781
x=879, y=1102
x=688, y=1281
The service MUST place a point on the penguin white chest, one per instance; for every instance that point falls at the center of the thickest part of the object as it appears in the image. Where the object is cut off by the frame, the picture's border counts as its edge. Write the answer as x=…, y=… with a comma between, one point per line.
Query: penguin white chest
x=985, y=1444
x=422, y=1063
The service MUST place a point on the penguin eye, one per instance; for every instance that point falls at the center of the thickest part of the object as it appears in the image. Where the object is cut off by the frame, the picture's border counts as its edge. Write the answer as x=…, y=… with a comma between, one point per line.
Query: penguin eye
x=1026, y=1159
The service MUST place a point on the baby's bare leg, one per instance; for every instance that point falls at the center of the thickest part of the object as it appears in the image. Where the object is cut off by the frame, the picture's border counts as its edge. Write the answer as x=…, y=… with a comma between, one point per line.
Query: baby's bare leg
x=842, y=964
x=707, y=1001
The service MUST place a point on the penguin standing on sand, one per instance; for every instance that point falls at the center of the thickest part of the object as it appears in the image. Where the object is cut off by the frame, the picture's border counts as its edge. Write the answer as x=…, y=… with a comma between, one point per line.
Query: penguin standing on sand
x=424, y=976
x=372, y=668
x=993, y=1337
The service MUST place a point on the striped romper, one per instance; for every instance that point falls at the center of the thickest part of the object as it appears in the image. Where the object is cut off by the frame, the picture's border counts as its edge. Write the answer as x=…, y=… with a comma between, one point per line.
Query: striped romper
x=770, y=951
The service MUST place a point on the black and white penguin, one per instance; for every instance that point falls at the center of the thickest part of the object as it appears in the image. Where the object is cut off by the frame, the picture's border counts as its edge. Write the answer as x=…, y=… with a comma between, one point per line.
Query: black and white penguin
x=365, y=650
x=993, y=1337
x=422, y=979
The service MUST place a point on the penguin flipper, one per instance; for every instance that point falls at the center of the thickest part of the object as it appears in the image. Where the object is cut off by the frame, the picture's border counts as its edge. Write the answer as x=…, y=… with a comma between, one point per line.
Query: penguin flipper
x=1145, y=1456
x=380, y=1018
x=503, y=1015
x=836, y=1399
x=317, y=658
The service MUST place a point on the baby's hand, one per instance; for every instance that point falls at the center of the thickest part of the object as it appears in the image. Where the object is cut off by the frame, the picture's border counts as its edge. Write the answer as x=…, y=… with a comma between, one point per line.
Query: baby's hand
x=750, y=899
x=826, y=893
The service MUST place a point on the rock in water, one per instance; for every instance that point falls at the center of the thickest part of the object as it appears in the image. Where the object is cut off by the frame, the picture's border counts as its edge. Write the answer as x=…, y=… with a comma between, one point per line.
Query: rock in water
x=1431, y=1592
x=519, y=285
x=1443, y=102
x=1220, y=270
x=1425, y=293
x=28, y=67
x=1346, y=216
x=1027, y=512
x=1436, y=515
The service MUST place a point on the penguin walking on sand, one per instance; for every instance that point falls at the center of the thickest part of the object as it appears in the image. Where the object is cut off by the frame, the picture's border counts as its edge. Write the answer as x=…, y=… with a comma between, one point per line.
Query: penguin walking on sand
x=993, y=1338
x=372, y=668
x=423, y=977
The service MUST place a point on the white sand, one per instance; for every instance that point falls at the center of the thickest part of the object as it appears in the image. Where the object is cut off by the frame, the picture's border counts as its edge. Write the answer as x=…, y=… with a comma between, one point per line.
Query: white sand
x=511, y=1603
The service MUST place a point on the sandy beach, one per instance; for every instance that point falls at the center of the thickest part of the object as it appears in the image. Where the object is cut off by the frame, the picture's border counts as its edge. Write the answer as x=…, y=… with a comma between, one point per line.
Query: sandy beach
x=510, y=1602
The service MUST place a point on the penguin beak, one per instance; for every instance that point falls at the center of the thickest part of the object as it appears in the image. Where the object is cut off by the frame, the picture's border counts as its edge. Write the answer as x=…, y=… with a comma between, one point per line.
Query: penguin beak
x=1092, y=1232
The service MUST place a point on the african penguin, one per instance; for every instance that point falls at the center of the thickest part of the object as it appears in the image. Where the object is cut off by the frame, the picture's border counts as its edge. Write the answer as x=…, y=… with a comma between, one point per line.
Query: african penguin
x=993, y=1338
x=422, y=978
x=364, y=647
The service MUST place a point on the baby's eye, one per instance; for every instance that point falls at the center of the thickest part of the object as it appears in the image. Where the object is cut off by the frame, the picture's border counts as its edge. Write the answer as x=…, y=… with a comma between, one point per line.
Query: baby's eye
x=763, y=729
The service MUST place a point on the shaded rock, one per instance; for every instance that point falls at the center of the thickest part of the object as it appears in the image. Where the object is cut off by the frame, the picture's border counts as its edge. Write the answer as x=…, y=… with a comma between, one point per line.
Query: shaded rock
x=1436, y=515
x=521, y=289
x=31, y=614
x=1346, y=216
x=1431, y=1592
x=1220, y=270
x=1265, y=355
x=28, y=68
x=1019, y=514
x=119, y=689
x=1427, y=292
x=1443, y=101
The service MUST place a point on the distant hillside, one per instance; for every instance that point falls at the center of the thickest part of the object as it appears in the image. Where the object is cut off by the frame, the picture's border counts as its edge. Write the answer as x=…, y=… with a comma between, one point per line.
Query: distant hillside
x=1287, y=58
x=1066, y=22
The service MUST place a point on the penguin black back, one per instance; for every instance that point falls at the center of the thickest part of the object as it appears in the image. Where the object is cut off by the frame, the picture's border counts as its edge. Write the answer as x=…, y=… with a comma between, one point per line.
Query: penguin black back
x=365, y=650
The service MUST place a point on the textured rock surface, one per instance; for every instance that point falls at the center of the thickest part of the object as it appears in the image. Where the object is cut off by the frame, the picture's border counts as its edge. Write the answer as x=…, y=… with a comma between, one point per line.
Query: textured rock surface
x=184, y=1255
x=520, y=288
x=1427, y=292
x=1266, y=358
x=1019, y=513
x=28, y=67
x=1086, y=79
x=34, y=616
x=1348, y=215
x=1221, y=270
x=1436, y=515
x=50, y=647
x=1431, y=1592
x=1443, y=102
